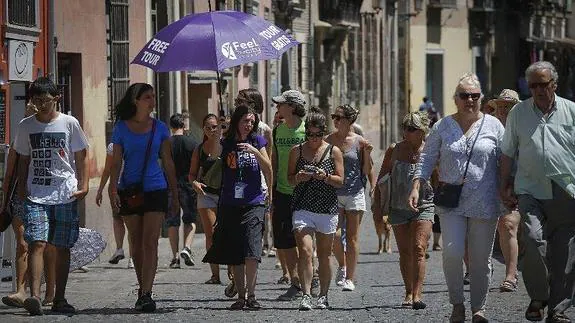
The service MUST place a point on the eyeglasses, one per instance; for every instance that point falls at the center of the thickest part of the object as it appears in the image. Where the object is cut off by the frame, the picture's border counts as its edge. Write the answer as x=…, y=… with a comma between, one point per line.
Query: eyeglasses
x=318, y=134
x=466, y=96
x=38, y=102
x=541, y=85
x=411, y=129
x=337, y=117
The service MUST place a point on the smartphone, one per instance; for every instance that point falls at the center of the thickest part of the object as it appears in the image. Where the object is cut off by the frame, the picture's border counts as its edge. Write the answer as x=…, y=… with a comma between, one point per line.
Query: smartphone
x=311, y=169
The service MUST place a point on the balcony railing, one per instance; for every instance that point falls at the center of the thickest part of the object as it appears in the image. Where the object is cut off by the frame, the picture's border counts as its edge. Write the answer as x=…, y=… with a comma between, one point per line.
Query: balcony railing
x=340, y=12
x=444, y=4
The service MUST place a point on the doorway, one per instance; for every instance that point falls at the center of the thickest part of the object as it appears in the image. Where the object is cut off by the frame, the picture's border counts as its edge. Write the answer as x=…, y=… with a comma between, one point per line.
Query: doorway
x=434, y=80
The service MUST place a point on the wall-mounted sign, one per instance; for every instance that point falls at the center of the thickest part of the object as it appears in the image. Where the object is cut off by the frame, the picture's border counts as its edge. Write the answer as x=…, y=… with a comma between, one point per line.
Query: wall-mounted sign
x=20, y=60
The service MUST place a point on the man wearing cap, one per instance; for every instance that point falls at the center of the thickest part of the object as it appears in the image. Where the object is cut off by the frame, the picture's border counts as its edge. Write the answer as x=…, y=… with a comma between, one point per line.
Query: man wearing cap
x=509, y=222
x=291, y=106
x=540, y=137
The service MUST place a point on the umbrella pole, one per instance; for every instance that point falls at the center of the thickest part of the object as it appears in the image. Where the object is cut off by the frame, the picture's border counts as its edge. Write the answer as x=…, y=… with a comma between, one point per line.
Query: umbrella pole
x=221, y=112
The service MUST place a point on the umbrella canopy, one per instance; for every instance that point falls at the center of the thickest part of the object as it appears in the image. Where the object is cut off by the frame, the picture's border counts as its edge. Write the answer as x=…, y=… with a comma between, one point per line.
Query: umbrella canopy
x=89, y=246
x=214, y=41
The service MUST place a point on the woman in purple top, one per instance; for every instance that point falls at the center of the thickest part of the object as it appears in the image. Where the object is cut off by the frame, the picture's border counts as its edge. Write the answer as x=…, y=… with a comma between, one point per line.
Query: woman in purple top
x=237, y=239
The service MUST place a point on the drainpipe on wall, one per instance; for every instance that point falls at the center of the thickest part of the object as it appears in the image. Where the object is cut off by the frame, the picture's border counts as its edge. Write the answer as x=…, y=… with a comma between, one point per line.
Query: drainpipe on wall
x=52, y=68
x=394, y=77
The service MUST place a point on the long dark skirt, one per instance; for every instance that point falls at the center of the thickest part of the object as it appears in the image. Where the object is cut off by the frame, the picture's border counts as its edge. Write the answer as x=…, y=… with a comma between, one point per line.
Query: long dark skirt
x=237, y=235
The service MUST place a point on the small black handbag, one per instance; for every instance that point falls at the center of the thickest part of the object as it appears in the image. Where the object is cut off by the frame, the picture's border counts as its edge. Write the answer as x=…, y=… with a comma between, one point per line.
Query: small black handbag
x=447, y=195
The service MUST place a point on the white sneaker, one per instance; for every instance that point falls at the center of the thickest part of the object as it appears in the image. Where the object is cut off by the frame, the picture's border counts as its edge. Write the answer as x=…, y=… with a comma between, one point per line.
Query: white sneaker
x=305, y=304
x=340, y=276
x=118, y=255
x=322, y=302
x=130, y=264
x=348, y=286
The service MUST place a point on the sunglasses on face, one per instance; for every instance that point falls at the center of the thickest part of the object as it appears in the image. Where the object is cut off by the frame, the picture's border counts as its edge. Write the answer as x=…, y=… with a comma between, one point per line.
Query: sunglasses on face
x=541, y=85
x=214, y=127
x=337, y=117
x=311, y=134
x=411, y=129
x=466, y=96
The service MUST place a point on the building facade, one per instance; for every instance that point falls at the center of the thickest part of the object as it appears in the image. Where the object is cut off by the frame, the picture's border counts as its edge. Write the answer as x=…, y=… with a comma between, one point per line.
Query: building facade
x=24, y=41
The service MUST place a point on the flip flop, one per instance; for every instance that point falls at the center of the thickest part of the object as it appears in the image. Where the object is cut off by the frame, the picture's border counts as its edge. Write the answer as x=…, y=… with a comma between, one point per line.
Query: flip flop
x=508, y=286
x=12, y=302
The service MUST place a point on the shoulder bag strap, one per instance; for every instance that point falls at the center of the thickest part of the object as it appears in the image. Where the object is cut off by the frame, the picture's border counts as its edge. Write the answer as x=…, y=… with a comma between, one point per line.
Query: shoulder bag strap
x=13, y=183
x=148, y=148
x=472, y=146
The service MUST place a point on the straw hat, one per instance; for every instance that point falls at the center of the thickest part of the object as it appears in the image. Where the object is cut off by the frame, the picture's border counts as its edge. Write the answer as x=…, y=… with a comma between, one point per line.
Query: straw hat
x=506, y=96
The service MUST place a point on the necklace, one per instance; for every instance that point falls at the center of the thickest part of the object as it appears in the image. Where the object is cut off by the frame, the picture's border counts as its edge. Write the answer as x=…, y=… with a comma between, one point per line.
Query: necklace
x=414, y=153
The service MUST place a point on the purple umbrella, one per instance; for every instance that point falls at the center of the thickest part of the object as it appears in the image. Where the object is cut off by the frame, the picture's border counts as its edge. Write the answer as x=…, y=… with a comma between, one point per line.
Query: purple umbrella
x=214, y=41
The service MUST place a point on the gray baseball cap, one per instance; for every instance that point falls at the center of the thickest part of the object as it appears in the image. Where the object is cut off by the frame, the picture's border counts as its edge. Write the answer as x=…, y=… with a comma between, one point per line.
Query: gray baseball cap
x=290, y=96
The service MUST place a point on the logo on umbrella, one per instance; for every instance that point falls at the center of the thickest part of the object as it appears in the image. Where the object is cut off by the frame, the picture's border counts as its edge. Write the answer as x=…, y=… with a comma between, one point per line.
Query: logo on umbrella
x=228, y=51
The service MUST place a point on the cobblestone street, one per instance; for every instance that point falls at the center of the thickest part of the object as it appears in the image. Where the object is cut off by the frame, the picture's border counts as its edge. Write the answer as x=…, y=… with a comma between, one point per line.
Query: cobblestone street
x=107, y=293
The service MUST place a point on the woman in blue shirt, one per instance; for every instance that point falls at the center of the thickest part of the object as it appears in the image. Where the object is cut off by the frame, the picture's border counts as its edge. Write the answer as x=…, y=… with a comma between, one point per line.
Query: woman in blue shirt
x=135, y=134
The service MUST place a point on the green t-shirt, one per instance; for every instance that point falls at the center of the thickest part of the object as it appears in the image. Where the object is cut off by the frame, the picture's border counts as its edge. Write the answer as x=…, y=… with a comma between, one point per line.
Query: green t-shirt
x=285, y=139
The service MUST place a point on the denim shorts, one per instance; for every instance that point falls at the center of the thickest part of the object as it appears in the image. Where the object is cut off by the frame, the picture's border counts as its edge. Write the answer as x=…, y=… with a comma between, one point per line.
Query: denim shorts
x=208, y=201
x=57, y=224
x=355, y=202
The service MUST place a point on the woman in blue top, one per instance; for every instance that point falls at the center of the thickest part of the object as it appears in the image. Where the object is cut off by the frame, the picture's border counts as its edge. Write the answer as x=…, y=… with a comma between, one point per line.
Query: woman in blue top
x=133, y=131
x=237, y=239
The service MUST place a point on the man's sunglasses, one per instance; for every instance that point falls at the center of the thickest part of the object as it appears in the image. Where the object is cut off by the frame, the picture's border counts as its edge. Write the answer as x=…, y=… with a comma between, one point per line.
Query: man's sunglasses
x=541, y=85
x=466, y=96
x=318, y=134
x=337, y=117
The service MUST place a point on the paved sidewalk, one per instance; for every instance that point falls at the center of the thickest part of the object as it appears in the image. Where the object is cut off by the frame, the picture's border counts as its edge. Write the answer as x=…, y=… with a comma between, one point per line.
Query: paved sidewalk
x=108, y=292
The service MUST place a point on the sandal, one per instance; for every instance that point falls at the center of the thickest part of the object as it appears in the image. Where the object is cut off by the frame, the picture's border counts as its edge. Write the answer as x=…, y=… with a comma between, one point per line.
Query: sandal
x=535, y=310
x=62, y=306
x=238, y=305
x=46, y=302
x=479, y=317
x=252, y=303
x=213, y=281
x=557, y=318
x=457, y=314
x=12, y=301
x=508, y=286
x=231, y=290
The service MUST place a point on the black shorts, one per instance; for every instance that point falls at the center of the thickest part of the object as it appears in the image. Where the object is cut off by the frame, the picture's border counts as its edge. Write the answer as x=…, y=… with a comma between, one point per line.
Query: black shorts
x=282, y=221
x=187, y=198
x=154, y=201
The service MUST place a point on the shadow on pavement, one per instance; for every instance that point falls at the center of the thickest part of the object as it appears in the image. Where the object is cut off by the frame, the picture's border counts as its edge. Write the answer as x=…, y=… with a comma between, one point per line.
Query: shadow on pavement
x=377, y=261
x=122, y=311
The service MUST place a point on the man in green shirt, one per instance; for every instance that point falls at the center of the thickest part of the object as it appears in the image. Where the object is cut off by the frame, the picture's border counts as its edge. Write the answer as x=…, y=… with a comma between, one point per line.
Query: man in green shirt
x=540, y=136
x=291, y=106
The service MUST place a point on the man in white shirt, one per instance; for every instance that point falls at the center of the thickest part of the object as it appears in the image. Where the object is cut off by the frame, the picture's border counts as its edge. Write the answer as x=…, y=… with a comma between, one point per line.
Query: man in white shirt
x=53, y=177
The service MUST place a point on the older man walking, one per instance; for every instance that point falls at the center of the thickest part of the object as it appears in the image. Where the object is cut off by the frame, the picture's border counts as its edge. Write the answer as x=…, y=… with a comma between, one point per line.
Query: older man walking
x=540, y=135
